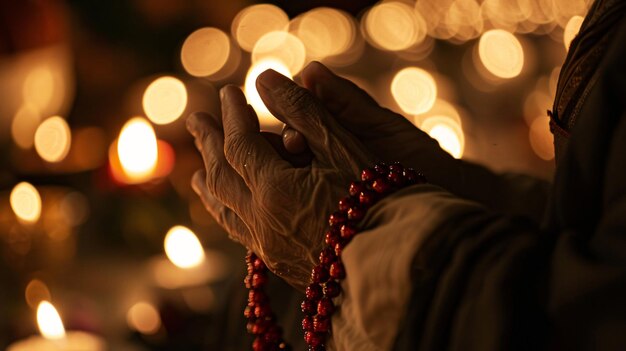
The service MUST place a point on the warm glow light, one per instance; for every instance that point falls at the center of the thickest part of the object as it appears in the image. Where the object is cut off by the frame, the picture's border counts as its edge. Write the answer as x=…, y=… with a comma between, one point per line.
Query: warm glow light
x=571, y=30
x=252, y=95
x=38, y=88
x=36, y=291
x=183, y=247
x=165, y=100
x=501, y=53
x=24, y=125
x=26, y=202
x=325, y=32
x=205, y=52
x=282, y=46
x=255, y=21
x=49, y=321
x=414, y=90
x=144, y=318
x=541, y=139
x=394, y=26
x=448, y=132
x=53, y=139
x=137, y=149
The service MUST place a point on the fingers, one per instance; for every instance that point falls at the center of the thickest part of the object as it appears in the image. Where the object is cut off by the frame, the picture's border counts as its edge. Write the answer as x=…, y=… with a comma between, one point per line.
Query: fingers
x=293, y=141
x=298, y=108
x=297, y=160
x=245, y=149
x=344, y=99
x=224, y=216
x=221, y=181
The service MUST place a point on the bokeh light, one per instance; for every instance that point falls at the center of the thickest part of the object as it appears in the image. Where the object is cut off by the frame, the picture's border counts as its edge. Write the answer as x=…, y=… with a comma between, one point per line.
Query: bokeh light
x=501, y=53
x=165, y=100
x=414, y=90
x=53, y=139
x=183, y=248
x=137, y=149
x=571, y=30
x=36, y=292
x=282, y=46
x=541, y=139
x=448, y=132
x=205, y=52
x=26, y=202
x=49, y=321
x=252, y=95
x=393, y=26
x=144, y=318
x=24, y=125
x=325, y=32
x=38, y=88
x=255, y=21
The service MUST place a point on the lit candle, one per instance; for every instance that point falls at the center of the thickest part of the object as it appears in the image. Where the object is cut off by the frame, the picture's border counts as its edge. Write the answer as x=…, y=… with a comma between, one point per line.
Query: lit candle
x=54, y=337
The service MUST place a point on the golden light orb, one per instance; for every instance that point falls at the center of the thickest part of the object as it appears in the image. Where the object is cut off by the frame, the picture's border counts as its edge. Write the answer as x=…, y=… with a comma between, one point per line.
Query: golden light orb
x=183, y=248
x=325, y=32
x=255, y=21
x=26, y=202
x=393, y=26
x=414, y=89
x=36, y=291
x=266, y=119
x=282, y=46
x=137, y=149
x=53, y=139
x=144, y=318
x=571, y=30
x=38, y=88
x=501, y=53
x=448, y=132
x=24, y=125
x=165, y=100
x=49, y=321
x=205, y=52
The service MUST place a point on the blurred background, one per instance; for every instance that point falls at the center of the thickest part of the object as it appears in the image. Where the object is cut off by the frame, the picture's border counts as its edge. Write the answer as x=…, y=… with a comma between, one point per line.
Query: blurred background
x=97, y=215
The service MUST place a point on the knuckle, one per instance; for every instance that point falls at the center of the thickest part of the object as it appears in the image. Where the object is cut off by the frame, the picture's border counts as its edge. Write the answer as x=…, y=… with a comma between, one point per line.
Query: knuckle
x=235, y=148
x=298, y=100
x=213, y=176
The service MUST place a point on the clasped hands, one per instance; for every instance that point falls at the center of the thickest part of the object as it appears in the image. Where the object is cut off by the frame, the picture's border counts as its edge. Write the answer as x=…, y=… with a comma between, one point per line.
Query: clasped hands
x=273, y=194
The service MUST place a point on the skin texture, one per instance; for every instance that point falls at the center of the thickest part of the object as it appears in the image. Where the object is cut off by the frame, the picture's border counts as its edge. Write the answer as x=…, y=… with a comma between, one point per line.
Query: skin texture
x=251, y=186
x=274, y=194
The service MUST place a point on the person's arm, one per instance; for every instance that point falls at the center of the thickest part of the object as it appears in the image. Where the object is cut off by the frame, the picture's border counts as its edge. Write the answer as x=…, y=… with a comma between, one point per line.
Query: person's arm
x=485, y=281
x=391, y=137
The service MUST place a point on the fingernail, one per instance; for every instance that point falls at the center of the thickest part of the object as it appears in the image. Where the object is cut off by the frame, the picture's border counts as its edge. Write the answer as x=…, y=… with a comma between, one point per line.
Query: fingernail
x=271, y=79
x=294, y=141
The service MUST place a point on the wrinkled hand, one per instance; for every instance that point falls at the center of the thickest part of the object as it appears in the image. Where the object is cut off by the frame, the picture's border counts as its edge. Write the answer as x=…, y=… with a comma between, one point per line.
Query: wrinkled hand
x=263, y=201
x=387, y=135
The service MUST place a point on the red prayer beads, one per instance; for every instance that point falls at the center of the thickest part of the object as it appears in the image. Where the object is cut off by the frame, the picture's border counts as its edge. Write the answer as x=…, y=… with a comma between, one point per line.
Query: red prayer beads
x=318, y=307
x=261, y=320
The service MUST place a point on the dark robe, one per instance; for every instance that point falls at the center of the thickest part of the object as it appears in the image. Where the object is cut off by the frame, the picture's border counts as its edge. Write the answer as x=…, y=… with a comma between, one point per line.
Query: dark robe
x=491, y=281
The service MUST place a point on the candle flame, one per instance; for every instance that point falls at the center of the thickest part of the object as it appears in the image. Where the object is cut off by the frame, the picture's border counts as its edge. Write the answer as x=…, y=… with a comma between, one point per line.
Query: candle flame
x=49, y=321
x=183, y=247
x=137, y=150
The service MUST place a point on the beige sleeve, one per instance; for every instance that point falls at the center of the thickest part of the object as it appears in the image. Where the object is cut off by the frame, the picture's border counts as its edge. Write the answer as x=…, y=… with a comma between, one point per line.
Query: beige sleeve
x=378, y=262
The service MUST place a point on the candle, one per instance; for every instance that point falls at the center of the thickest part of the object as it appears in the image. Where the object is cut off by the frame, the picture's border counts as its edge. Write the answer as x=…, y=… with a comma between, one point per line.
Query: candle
x=54, y=337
